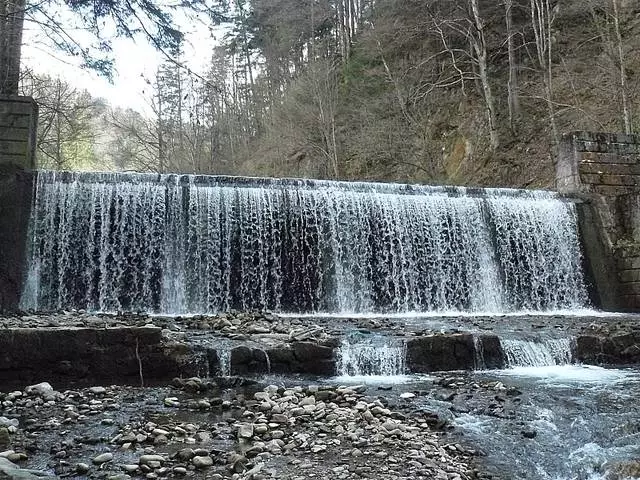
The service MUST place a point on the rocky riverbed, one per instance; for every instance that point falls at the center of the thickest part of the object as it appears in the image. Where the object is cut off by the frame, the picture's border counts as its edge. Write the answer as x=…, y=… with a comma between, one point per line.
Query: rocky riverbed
x=215, y=429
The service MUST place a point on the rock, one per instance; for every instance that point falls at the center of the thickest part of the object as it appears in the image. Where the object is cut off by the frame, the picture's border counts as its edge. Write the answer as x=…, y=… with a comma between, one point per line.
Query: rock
x=103, y=458
x=279, y=418
x=82, y=468
x=43, y=388
x=529, y=433
x=245, y=430
x=5, y=438
x=442, y=352
x=185, y=454
x=407, y=395
x=130, y=468
x=145, y=459
x=9, y=422
x=179, y=470
x=98, y=390
x=202, y=462
x=11, y=471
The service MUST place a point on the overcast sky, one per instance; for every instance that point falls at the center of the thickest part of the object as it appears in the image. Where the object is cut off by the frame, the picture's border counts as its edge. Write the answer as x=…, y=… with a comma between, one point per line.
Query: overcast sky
x=136, y=60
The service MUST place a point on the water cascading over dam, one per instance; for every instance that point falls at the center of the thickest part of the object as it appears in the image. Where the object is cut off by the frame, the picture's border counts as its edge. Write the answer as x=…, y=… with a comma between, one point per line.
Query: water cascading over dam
x=198, y=244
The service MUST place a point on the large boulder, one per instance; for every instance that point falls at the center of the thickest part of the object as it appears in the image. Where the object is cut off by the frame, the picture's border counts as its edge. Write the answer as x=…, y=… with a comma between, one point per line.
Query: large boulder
x=441, y=352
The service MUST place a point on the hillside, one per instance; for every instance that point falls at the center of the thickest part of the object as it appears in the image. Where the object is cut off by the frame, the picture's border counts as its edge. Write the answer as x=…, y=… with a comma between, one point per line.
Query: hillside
x=472, y=92
x=401, y=113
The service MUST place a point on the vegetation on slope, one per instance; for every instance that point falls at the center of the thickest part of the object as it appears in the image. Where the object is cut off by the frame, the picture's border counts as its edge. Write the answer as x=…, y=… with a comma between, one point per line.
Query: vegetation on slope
x=472, y=92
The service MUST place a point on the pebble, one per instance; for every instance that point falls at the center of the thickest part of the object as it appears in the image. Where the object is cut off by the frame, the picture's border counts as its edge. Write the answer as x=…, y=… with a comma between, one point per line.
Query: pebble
x=245, y=430
x=202, y=462
x=103, y=458
x=146, y=459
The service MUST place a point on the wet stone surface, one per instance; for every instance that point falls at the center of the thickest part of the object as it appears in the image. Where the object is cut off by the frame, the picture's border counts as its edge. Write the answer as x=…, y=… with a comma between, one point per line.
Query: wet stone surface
x=197, y=429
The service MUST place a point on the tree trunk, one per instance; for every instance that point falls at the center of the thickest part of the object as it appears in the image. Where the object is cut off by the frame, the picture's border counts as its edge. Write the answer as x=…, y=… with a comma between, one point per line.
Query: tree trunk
x=11, y=23
x=480, y=47
x=512, y=82
x=541, y=21
x=626, y=110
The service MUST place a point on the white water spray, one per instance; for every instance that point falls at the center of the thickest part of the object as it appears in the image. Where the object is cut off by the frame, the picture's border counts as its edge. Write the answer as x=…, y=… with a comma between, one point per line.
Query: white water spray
x=195, y=244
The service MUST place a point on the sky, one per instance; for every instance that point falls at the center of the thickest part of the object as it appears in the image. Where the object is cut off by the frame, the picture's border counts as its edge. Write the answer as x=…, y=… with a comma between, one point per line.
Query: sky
x=136, y=62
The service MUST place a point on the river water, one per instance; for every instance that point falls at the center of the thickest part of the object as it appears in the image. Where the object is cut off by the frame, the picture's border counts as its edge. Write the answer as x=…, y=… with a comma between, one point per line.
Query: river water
x=543, y=418
x=585, y=420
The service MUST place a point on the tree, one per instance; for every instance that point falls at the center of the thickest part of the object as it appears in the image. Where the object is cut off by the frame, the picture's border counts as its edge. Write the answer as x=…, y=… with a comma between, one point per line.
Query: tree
x=542, y=18
x=67, y=127
x=103, y=19
x=512, y=83
x=11, y=22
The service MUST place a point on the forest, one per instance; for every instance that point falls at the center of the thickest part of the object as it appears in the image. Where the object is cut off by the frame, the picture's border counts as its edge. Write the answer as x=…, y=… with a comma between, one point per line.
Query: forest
x=471, y=92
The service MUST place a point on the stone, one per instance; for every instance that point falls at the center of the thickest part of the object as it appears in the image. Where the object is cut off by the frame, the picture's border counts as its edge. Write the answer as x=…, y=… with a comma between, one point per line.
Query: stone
x=9, y=422
x=407, y=395
x=441, y=352
x=179, y=470
x=186, y=454
x=103, y=458
x=98, y=390
x=202, y=462
x=43, y=388
x=5, y=438
x=82, y=468
x=245, y=430
x=279, y=418
x=145, y=459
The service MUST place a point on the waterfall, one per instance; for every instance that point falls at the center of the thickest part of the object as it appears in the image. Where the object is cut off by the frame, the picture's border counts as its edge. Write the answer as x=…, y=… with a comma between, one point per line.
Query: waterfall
x=224, y=361
x=538, y=353
x=198, y=244
x=367, y=356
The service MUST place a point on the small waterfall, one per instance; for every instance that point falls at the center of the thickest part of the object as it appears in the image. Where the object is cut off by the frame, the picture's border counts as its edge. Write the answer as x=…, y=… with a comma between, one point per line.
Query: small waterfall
x=537, y=353
x=379, y=356
x=224, y=361
x=197, y=244
x=478, y=348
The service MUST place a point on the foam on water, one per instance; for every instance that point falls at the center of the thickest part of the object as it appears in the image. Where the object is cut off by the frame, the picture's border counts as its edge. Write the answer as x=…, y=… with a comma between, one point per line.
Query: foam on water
x=369, y=356
x=537, y=353
x=194, y=244
x=562, y=374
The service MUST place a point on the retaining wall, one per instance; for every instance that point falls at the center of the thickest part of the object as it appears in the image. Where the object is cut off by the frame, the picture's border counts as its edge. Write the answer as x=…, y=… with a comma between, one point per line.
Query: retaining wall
x=18, y=126
x=604, y=169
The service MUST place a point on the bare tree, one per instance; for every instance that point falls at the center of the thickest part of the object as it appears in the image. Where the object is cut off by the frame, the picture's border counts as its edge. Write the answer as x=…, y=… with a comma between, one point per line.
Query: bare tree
x=512, y=83
x=542, y=17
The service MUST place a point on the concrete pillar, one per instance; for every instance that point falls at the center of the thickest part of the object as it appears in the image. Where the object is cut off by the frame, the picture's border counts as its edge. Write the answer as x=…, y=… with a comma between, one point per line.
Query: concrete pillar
x=18, y=123
x=18, y=128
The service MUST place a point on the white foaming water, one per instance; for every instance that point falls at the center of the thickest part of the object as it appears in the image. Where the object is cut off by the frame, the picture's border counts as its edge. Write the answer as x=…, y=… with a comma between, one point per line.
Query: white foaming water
x=562, y=374
x=193, y=244
x=539, y=353
x=224, y=361
x=578, y=312
x=373, y=379
x=376, y=356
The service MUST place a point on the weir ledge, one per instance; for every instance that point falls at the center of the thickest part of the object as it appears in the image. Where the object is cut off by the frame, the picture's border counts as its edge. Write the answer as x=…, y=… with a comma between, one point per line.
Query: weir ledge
x=133, y=349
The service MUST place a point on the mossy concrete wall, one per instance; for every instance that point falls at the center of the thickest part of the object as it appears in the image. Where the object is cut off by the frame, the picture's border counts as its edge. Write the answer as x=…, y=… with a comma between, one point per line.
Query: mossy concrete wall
x=18, y=123
x=604, y=170
x=18, y=127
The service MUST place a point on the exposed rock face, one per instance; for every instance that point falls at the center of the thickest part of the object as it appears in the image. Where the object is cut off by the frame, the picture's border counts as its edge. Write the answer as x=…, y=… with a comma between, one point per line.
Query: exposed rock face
x=441, y=352
x=489, y=352
x=102, y=353
x=609, y=344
